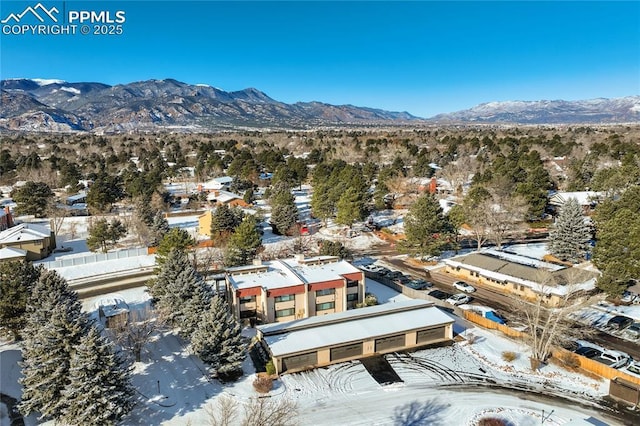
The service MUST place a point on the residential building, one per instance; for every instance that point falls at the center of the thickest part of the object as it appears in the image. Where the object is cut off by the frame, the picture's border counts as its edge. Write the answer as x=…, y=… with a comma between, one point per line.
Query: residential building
x=10, y=253
x=37, y=240
x=288, y=289
x=216, y=184
x=6, y=219
x=320, y=341
x=586, y=199
x=521, y=276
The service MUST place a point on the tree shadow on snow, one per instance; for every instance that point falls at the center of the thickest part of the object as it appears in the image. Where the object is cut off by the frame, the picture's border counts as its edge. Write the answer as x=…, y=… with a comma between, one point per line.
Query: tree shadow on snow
x=418, y=414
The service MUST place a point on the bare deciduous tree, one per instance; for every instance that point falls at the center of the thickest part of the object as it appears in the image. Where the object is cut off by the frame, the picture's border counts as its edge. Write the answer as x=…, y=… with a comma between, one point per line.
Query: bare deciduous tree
x=256, y=412
x=457, y=172
x=140, y=329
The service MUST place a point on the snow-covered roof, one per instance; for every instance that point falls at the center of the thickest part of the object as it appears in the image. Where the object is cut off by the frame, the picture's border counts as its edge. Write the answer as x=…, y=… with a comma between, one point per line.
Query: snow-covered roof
x=525, y=271
x=7, y=253
x=217, y=183
x=584, y=198
x=290, y=272
x=350, y=326
x=24, y=232
x=112, y=305
x=222, y=196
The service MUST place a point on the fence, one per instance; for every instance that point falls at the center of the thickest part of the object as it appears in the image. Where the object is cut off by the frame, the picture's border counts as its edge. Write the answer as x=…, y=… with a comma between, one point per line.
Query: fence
x=95, y=257
x=492, y=325
x=593, y=366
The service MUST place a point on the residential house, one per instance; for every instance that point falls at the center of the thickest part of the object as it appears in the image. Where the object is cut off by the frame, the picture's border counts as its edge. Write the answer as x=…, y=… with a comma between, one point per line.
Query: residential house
x=521, y=276
x=9, y=253
x=38, y=241
x=320, y=341
x=6, y=219
x=216, y=184
x=288, y=289
x=587, y=199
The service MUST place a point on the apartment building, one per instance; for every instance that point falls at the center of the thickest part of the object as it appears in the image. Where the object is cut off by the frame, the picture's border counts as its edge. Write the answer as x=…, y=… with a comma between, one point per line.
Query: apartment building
x=288, y=289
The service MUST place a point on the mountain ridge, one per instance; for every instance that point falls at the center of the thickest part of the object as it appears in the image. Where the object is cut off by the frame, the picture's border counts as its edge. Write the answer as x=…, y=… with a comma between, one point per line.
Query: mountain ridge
x=58, y=105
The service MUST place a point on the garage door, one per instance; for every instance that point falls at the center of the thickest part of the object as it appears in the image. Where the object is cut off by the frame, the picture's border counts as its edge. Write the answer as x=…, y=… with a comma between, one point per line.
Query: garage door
x=300, y=361
x=385, y=344
x=428, y=336
x=346, y=351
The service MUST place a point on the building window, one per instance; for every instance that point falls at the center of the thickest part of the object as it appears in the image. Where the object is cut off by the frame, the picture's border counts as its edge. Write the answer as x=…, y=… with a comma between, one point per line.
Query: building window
x=352, y=283
x=250, y=313
x=325, y=292
x=249, y=299
x=285, y=298
x=352, y=297
x=325, y=306
x=285, y=313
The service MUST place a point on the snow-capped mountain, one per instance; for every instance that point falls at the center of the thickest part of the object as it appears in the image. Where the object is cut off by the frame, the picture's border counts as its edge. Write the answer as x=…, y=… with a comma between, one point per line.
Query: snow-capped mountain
x=601, y=110
x=30, y=104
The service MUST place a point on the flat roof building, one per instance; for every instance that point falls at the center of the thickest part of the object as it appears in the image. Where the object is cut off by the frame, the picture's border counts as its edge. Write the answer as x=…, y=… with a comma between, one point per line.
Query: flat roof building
x=319, y=341
x=288, y=289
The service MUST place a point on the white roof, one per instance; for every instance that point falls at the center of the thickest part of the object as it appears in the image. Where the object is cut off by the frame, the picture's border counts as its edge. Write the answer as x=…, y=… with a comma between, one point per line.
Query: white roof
x=11, y=253
x=24, y=232
x=112, y=305
x=584, y=197
x=222, y=196
x=351, y=326
x=290, y=272
x=217, y=183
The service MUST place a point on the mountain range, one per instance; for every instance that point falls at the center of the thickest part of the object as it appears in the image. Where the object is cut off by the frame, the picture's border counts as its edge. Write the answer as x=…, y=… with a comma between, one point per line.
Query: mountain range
x=56, y=105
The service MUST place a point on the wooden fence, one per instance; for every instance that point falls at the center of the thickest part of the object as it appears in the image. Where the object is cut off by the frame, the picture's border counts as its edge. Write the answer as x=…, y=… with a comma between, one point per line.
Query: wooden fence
x=492, y=325
x=592, y=366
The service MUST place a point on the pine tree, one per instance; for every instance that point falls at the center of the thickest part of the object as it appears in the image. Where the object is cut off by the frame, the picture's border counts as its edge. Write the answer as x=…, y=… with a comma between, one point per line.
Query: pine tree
x=55, y=325
x=321, y=204
x=17, y=278
x=244, y=244
x=425, y=227
x=223, y=222
x=159, y=228
x=284, y=213
x=350, y=207
x=99, y=390
x=176, y=238
x=570, y=238
x=217, y=340
x=176, y=261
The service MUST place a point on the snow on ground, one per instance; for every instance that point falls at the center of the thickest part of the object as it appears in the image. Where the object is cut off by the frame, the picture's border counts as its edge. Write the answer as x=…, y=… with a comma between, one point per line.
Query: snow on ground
x=383, y=293
x=598, y=315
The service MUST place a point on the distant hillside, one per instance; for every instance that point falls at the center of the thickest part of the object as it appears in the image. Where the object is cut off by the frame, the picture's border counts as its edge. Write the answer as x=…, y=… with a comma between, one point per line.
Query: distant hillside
x=55, y=105
x=618, y=110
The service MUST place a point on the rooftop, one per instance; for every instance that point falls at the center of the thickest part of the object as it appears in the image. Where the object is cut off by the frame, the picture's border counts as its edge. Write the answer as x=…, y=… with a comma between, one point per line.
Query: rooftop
x=354, y=325
x=24, y=232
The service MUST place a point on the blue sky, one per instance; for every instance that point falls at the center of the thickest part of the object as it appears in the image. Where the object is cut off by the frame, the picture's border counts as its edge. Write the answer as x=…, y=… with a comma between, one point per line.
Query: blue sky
x=422, y=57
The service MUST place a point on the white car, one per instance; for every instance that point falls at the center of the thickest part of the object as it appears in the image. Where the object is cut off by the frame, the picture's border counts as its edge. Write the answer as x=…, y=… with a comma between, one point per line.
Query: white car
x=462, y=286
x=458, y=299
x=614, y=359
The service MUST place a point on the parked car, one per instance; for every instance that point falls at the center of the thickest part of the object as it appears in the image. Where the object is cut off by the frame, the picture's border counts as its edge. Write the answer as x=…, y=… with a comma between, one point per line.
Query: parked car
x=633, y=368
x=420, y=284
x=588, y=352
x=458, y=299
x=619, y=322
x=439, y=294
x=463, y=286
x=392, y=275
x=404, y=280
x=614, y=359
x=628, y=297
x=633, y=331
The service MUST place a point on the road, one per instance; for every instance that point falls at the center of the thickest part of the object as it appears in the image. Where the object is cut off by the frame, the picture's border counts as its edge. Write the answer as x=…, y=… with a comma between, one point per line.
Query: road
x=502, y=303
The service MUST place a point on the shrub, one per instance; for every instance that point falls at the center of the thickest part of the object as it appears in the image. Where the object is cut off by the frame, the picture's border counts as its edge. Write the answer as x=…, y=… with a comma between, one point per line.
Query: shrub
x=569, y=360
x=471, y=338
x=492, y=421
x=270, y=368
x=263, y=384
x=509, y=356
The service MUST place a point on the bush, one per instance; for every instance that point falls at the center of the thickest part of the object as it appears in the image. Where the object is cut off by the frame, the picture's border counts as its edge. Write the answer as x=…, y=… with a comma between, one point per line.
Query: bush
x=270, y=368
x=263, y=384
x=471, y=338
x=569, y=360
x=492, y=421
x=509, y=356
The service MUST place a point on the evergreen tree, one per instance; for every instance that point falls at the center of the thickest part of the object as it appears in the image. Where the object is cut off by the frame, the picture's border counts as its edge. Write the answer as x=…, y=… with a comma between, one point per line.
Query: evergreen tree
x=333, y=248
x=176, y=238
x=224, y=221
x=244, y=243
x=99, y=390
x=351, y=207
x=284, y=213
x=217, y=340
x=32, y=198
x=176, y=261
x=17, y=278
x=570, y=238
x=159, y=228
x=321, y=204
x=426, y=228
x=617, y=247
x=249, y=196
x=103, y=234
x=55, y=325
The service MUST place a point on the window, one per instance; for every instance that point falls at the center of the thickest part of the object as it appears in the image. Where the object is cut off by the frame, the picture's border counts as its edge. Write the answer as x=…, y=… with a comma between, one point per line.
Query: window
x=352, y=283
x=250, y=313
x=325, y=306
x=352, y=297
x=249, y=299
x=325, y=292
x=285, y=313
x=285, y=298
